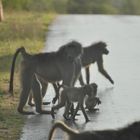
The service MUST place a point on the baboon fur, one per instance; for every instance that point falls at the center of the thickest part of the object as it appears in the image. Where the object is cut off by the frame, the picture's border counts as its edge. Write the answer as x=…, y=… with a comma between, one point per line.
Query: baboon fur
x=130, y=132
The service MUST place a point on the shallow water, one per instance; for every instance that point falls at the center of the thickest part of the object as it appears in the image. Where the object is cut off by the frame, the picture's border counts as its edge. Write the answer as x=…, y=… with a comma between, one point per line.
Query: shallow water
x=120, y=102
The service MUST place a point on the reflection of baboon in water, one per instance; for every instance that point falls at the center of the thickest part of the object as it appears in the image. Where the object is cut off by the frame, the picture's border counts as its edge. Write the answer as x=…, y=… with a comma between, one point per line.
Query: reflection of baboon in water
x=65, y=65
x=94, y=53
x=130, y=132
x=75, y=94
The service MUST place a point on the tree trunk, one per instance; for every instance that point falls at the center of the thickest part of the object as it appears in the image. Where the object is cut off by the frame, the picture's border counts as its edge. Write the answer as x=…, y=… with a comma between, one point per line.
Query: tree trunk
x=1, y=11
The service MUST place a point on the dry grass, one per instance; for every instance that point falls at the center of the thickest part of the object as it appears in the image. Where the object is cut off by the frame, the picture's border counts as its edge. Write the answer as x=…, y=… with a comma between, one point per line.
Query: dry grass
x=18, y=29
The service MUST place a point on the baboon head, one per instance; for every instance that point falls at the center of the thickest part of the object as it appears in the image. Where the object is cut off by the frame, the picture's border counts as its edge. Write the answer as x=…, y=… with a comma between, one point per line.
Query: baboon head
x=90, y=103
x=94, y=86
x=88, y=90
x=100, y=48
x=72, y=50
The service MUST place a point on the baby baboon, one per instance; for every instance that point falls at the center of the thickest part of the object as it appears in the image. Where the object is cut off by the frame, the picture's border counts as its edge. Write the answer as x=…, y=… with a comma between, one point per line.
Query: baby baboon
x=91, y=102
x=94, y=53
x=50, y=67
x=130, y=132
x=75, y=94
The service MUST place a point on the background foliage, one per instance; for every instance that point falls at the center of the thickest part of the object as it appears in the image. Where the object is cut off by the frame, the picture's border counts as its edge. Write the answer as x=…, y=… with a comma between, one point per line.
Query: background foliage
x=76, y=6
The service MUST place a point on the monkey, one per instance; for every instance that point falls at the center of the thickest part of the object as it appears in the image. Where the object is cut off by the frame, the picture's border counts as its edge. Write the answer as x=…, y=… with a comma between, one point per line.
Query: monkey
x=50, y=67
x=91, y=102
x=94, y=53
x=75, y=94
x=129, y=132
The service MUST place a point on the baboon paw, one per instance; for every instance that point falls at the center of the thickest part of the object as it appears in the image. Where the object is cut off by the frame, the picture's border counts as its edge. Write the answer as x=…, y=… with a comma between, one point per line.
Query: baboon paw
x=112, y=82
x=31, y=104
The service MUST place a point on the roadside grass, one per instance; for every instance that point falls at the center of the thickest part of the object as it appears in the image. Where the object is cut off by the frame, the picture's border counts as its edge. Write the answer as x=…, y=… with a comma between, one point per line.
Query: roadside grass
x=18, y=29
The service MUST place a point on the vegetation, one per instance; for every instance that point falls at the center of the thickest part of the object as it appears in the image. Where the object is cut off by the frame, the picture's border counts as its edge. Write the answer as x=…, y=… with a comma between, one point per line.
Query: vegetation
x=25, y=24
x=18, y=29
x=76, y=6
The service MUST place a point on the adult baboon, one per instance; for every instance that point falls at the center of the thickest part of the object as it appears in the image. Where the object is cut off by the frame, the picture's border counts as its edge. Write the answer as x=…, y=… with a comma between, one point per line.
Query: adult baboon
x=130, y=132
x=64, y=64
x=91, y=102
x=94, y=53
x=75, y=94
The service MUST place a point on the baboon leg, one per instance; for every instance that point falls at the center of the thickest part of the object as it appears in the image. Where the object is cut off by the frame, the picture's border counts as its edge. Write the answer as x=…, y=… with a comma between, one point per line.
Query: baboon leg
x=83, y=110
x=44, y=89
x=30, y=100
x=56, y=88
x=75, y=112
x=72, y=109
x=23, y=99
x=103, y=71
x=37, y=96
x=61, y=104
x=26, y=86
x=87, y=75
x=81, y=80
x=67, y=109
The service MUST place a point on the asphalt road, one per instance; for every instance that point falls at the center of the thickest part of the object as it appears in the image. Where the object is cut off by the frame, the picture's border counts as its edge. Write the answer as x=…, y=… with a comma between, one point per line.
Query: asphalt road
x=121, y=102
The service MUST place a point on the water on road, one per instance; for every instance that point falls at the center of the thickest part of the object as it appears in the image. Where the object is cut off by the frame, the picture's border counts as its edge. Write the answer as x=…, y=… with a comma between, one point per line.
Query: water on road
x=121, y=101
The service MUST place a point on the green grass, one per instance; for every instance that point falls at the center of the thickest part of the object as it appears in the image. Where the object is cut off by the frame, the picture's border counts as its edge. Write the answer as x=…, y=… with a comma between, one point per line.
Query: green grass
x=18, y=29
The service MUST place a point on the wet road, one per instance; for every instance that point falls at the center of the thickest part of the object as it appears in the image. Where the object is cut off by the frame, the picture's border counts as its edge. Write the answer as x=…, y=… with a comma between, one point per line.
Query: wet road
x=121, y=102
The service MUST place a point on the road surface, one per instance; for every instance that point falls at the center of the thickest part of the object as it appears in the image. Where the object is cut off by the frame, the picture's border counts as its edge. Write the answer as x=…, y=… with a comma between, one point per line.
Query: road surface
x=121, y=102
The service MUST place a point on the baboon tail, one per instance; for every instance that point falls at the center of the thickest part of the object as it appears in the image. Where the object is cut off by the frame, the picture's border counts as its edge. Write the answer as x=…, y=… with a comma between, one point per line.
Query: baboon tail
x=22, y=49
x=64, y=127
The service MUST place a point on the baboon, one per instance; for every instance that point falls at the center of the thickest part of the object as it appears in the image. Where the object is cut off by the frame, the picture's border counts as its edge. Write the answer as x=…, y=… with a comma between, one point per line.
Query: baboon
x=94, y=53
x=64, y=64
x=75, y=94
x=130, y=132
x=91, y=102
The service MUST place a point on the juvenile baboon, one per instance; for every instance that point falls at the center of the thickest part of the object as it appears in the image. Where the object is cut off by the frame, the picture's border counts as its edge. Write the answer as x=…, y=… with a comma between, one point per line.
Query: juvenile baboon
x=130, y=132
x=94, y=53
x=91, y=102
x=50, y=67
x=75, y=94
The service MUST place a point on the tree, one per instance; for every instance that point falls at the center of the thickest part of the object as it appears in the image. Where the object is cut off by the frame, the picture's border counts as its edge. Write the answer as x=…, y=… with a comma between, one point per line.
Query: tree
x=1, y=11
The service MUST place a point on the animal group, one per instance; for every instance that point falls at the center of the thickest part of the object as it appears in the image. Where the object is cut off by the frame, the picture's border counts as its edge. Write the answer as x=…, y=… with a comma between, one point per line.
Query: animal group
x=37, y=70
